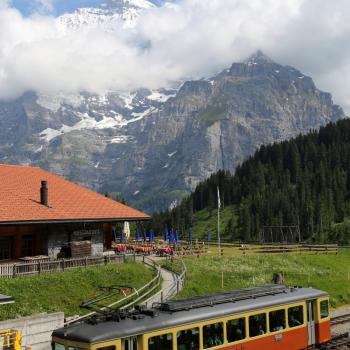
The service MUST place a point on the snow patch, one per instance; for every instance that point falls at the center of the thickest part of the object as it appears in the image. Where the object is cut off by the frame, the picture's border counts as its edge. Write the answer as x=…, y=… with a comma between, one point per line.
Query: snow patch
x=136, y=193
x=120, y=139
x=277, y=71
x=160, y=97
x=97, y=165
x=171, y=154
x=166, y=166
x=86, y=122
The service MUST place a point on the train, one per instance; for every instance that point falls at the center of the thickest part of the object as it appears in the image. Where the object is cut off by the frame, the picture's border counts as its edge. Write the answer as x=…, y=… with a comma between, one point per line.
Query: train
x=271, y=317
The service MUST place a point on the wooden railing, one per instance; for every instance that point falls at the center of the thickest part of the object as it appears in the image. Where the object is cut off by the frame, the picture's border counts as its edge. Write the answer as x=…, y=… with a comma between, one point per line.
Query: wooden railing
x=289, y=248
x=45, y=266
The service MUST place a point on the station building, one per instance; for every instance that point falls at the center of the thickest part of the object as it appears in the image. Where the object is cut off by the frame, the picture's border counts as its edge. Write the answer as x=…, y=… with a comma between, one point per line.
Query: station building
x=42, y=214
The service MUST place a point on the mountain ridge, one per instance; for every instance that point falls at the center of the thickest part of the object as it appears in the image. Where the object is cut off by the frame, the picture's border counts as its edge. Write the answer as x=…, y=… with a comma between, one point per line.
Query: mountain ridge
x=154, y=146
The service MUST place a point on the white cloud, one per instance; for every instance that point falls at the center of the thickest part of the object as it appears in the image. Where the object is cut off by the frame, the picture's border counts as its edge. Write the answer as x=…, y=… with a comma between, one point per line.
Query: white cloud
x=45, y=6
x=192, y=39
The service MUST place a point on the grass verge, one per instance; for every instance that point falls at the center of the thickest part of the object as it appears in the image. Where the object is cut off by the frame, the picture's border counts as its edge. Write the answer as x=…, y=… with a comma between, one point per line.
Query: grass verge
x=211, y=273
x=65, y=291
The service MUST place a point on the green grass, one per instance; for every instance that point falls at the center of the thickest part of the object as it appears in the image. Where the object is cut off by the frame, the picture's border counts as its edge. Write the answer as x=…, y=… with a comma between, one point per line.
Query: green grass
x=65, y=291
x=207, y=221
x=326, y=272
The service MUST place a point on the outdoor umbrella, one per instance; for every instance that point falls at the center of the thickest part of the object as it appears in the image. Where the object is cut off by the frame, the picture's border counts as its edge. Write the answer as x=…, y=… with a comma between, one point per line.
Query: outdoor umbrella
x=126, y=230
x=144, y=235
x=115, y=233
x=190, y=236
x=176, y=236
x=137, y=235
x=209, y=236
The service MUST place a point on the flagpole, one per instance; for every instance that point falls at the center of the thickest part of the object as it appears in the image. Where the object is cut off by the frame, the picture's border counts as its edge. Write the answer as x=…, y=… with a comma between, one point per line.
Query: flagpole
x=219, y=240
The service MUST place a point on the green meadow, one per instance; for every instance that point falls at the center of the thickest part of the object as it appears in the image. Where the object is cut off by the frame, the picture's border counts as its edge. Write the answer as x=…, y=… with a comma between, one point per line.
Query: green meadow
x=212, y=273
x=65, y=291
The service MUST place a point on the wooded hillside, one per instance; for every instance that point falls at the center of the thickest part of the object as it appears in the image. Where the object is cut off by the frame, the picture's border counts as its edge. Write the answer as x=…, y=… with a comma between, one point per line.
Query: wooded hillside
x=304, y=181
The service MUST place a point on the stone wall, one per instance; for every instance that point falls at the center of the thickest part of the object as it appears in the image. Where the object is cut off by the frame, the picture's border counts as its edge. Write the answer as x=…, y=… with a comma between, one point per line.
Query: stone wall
x=36, y=330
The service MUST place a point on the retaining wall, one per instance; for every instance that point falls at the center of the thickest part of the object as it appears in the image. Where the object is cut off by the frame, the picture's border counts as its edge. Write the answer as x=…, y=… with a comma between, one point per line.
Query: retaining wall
x=36, y=330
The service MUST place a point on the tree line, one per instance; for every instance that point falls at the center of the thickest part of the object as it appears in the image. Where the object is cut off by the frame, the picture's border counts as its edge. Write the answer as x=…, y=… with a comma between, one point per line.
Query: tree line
x=304, y=181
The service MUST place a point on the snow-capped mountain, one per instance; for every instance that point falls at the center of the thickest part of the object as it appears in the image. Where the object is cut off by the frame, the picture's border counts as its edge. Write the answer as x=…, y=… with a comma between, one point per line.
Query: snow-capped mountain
x=107, y=16
x=154, y=146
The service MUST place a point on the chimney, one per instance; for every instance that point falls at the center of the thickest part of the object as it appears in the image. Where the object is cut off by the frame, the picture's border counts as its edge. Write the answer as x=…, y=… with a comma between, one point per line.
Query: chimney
x=44, y=193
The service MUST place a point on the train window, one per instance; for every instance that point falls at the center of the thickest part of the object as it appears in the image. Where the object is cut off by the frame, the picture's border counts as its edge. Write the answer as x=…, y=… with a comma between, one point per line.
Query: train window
x=161, y=342
x=324, y=309
x=295, y=316
x=58, y=346
x=277, y=320
x=257, y=325
x=188, y=339
x=111, y=347
x=213, y=335
x=235, y=329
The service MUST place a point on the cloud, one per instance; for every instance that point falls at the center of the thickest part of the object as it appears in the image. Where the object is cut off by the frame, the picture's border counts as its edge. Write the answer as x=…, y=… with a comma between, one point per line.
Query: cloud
x=192, y=39
x=44, y=6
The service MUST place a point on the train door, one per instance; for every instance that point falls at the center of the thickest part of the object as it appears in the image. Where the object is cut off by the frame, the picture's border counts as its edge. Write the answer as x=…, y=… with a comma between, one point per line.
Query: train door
x=311, y=321
x=129, y=343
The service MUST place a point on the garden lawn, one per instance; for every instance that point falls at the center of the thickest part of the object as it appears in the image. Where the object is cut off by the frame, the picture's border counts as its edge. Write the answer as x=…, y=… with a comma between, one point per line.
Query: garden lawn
x=327, y=272
x=64, y=291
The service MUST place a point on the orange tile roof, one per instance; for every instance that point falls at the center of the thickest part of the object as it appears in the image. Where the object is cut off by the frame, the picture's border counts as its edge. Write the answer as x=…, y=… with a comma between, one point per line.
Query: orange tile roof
x=67, y=201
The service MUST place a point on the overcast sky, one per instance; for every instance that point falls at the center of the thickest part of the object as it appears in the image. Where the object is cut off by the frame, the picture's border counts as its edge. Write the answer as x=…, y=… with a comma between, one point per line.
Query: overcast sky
x=193, y=39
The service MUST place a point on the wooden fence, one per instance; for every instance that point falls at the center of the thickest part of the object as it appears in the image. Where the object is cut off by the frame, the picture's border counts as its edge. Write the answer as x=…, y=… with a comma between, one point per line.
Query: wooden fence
x=290, y=248
x=45, y=266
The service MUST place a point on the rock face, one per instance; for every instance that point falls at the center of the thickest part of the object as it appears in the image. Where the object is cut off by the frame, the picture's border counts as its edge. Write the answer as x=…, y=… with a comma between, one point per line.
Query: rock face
x=155, y=146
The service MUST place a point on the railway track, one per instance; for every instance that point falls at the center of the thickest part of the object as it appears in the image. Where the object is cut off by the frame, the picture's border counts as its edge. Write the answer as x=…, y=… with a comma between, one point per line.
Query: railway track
x=341, y=341
x=340, y=319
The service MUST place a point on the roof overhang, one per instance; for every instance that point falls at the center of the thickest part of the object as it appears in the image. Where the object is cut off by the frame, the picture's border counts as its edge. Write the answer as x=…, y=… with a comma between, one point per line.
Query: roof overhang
x=69, y=221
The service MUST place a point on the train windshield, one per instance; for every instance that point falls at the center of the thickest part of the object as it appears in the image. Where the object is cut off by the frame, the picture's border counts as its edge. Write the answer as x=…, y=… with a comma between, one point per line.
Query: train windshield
x=58, y=346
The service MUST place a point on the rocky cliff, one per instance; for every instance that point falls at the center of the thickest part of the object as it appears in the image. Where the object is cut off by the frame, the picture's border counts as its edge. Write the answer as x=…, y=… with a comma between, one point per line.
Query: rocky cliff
x=155, y=146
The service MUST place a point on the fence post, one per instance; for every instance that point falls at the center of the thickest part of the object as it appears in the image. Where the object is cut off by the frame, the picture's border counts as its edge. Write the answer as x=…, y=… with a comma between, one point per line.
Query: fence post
x=14, y=270
x=63, y=264
x=124, y=258
x=105, y=260
x=86, y=261
x=39, y=267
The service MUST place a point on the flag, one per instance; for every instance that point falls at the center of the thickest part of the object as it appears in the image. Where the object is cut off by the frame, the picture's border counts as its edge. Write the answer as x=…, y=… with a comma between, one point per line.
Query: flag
x=219, y=202
x=115, y=233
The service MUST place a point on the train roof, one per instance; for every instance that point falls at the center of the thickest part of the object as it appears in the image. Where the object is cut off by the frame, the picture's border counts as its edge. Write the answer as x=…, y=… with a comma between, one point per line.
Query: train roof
x=175, y=313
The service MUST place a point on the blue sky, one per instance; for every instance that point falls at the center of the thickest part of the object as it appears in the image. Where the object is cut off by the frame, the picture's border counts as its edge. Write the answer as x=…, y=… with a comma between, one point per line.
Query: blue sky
x=28, y=7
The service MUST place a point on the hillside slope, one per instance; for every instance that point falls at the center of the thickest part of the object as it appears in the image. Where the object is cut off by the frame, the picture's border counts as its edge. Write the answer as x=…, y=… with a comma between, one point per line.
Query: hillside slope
x=304, y=181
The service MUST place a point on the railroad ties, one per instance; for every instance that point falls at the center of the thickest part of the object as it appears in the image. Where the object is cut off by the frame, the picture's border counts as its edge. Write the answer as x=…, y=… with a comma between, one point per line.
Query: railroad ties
x=340, y=319
x=341, y=341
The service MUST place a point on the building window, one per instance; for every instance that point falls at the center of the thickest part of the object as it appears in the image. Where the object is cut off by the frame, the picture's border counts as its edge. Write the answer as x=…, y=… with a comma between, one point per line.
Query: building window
x=28, y=245
x=235, y=330
x=324, y=309
x=161, y=342
x=6, y=244
x=257, y=325
x=277, y=320
x=213, y=335
x=188, y=339
x=295, y=316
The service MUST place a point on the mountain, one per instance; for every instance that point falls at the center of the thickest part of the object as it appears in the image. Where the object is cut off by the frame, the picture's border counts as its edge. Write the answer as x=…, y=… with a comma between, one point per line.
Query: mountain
x=304, y=181
x=155, y=146
x=107, y=15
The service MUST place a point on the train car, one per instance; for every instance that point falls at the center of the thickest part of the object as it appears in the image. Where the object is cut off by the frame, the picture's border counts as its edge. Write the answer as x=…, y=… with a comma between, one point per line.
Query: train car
x=270, y=317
